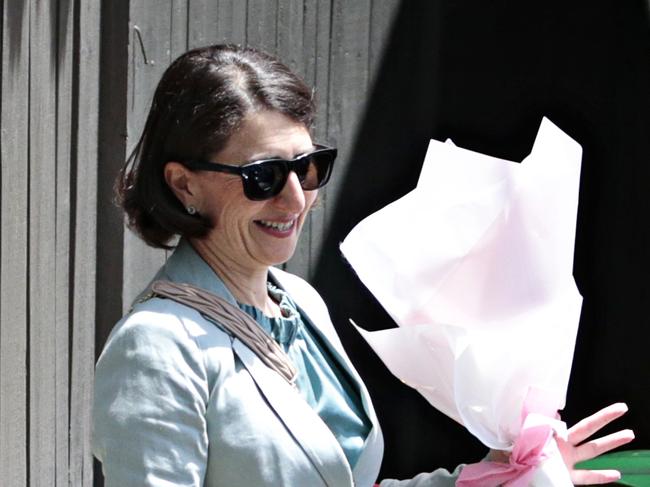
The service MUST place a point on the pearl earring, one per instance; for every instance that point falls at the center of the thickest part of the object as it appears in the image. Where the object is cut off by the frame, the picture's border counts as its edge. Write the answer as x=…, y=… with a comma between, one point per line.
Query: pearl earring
x=191, y=210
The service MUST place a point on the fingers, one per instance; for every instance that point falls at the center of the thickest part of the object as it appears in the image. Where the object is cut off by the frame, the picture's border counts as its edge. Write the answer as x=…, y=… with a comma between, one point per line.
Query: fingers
x=594, y=477
x=576, y=452
x=594, y=448
x=588, y=426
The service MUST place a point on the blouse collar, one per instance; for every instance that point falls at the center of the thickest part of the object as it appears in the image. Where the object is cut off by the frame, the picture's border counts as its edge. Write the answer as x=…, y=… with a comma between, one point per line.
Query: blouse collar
x=284, y=328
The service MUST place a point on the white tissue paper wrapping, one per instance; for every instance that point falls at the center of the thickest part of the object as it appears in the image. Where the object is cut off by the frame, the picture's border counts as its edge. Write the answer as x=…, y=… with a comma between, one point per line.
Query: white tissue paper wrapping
x=475, y=266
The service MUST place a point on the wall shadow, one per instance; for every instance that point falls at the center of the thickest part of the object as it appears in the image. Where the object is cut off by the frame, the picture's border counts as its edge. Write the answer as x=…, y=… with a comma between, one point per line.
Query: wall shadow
x=484, y=74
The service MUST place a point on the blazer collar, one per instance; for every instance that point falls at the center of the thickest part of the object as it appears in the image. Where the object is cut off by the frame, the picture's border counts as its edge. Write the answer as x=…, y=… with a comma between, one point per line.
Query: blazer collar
x=367, y=467
x=186, y=266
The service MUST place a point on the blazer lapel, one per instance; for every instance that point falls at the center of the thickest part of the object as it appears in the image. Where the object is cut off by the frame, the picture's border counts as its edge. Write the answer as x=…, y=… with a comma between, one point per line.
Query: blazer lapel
x=318, y=319
x=308, y=429
x=320, y=324
x=367, y=465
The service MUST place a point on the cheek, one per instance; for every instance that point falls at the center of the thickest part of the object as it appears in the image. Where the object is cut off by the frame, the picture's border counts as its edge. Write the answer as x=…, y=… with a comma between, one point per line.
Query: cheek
x=222, y=201
x=215, y=211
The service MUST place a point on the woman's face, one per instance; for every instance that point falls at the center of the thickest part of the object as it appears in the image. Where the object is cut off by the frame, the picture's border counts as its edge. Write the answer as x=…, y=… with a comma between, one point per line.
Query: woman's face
x=255, y=234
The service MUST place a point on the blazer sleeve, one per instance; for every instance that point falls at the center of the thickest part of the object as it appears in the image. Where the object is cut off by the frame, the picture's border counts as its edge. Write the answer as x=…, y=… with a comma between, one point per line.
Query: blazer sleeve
x=437, y=478
x=149, y=404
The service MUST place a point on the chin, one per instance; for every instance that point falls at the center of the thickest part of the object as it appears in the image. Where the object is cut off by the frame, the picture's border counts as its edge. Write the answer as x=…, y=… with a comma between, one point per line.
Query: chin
x=280, y=261
x=280, y=258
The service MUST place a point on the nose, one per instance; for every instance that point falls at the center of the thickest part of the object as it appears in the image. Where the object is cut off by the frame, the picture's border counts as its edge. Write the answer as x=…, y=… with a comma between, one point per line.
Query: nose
x=292, y=196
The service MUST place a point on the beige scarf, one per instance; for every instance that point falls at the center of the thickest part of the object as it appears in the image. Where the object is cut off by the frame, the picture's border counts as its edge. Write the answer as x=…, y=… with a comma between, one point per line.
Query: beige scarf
x=232, y=320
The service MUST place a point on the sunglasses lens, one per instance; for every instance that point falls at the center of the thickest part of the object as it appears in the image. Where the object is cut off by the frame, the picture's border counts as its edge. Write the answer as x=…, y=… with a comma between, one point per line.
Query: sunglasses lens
x=265, y=180
x=306, y=171
x=314, y=170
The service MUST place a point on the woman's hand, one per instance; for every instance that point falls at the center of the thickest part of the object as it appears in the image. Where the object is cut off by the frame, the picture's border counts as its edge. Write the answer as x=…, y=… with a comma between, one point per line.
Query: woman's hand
x=576, y=449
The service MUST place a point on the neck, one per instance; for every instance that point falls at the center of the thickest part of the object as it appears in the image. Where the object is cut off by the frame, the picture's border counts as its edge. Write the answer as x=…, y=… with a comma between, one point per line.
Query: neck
x=247, y=285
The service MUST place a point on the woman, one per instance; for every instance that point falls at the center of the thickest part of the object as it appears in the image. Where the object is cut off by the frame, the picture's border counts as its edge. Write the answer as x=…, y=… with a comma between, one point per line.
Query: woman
x=183, y=396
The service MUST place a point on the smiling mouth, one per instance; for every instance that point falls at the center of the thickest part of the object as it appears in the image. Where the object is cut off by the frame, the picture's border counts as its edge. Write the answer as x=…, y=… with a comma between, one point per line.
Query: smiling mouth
x=278, y=226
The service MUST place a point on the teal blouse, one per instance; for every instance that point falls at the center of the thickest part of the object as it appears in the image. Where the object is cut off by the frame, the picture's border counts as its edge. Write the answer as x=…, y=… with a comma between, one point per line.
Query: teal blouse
x=323, y=384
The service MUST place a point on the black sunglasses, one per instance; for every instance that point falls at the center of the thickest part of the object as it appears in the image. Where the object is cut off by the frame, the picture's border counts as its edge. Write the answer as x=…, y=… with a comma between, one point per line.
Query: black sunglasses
x=265, y=178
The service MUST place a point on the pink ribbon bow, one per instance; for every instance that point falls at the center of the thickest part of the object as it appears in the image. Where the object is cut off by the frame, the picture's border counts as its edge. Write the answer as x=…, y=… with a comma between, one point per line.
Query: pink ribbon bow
x=527, y=454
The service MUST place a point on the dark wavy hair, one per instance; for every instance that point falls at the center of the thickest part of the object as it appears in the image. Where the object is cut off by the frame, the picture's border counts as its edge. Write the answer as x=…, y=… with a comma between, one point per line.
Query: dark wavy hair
x=200, y=101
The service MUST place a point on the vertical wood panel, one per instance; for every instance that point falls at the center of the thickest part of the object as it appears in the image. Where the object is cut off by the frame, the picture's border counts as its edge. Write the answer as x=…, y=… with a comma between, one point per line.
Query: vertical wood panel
x=318, y=33
x=112, y=153
x=347, y=91
x=62, y=266
x=150, y=54
x=231, y=22
x=202, y=22
x=42, y=239
x=261, y=24
x=348, y=88
x=289, y=37
x=178, y=37
x=291, y=50
x=14, y=244
x=310, y=25
x=217, y=22
x=84, y=252
x=178, y=34
x=359, y=32
x=382, y=17
x=349, y=51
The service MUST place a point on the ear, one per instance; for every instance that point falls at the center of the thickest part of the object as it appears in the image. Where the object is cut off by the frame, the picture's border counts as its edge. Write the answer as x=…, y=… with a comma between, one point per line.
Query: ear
x=181, y=181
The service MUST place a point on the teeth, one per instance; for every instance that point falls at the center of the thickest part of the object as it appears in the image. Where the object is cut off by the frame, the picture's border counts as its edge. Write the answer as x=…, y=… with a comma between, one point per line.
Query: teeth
x=277, y=225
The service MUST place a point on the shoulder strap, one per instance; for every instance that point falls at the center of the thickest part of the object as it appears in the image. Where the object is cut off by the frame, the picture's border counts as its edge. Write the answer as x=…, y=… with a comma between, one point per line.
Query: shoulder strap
x=233, y=320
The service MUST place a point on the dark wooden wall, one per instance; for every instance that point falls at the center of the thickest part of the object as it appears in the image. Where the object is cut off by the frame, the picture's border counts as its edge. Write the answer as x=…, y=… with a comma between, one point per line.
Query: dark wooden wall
x=484, y=74
x=47, y=265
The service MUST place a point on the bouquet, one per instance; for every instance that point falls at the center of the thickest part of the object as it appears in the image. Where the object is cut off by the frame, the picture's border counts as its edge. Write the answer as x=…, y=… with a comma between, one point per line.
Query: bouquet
x=475, y=266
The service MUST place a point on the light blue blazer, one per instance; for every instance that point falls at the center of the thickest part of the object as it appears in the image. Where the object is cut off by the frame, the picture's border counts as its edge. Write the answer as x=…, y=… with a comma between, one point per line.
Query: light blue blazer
x=179, y=402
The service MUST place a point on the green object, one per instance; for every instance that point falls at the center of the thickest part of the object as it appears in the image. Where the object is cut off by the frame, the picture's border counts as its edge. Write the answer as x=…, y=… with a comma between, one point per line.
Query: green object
x=634, y=466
